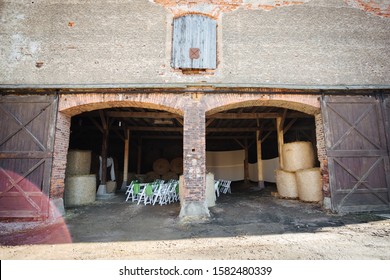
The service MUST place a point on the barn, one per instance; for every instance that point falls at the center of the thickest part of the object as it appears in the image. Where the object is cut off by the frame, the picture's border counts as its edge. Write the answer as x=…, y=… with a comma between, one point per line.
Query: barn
x=148, y=79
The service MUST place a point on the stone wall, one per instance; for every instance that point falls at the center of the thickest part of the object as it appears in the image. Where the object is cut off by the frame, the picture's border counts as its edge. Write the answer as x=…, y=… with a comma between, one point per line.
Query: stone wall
x=75, y=43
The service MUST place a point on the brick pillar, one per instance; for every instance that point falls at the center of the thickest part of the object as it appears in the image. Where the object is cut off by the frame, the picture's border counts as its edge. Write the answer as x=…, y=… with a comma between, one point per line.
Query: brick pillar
x=193, y=201
x=323, y=159
x=61, y=144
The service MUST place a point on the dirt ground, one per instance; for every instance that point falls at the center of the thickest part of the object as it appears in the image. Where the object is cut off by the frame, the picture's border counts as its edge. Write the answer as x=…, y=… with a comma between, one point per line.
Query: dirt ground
x=244, y=225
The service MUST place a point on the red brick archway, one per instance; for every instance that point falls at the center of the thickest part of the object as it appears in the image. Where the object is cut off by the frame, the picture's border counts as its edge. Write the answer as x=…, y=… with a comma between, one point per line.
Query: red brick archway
x=193, y=106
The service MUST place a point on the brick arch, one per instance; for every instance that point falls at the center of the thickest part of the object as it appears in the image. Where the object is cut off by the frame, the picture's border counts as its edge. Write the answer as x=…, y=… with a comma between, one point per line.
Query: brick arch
x=72, y=105
x=308, y=104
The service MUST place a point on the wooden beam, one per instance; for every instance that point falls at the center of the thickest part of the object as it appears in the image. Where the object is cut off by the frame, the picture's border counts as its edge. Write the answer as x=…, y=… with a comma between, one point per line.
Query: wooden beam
x=260, y=175
x=98, y=126
x=156, y=128
x=246, y=162
x=126, y=158
x=143, y=115
x=288, y=126
x=139, y=155
x=279, y=130
x=243, y=116
x=266, y=136
x=258, y=115
x=240, y=143
x=181, y=121
x=208, y=122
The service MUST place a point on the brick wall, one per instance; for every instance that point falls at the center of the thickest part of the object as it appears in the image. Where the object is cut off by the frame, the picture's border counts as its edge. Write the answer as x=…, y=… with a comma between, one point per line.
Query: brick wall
x=322, y=157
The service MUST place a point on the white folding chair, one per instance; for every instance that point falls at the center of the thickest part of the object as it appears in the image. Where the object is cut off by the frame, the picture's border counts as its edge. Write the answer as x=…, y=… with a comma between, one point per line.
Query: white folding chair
x=130, y=191
x=159, y=194
x=146, y=195
x=216, y=187
x=172, y=195
x=225, y=186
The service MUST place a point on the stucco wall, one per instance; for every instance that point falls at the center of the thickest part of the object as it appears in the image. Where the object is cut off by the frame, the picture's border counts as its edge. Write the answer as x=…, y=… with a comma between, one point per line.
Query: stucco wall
x=74, y=42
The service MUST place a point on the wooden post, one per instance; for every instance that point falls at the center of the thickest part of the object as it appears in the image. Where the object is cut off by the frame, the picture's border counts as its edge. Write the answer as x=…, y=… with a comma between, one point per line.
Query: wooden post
x=246, y=163
x=139, y=154
x=126, y=158
x=279, y=131
x=260, y=175
x=103, y=180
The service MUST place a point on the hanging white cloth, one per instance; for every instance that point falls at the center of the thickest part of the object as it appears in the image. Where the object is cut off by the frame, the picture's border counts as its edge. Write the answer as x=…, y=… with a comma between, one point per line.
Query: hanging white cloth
x=110, y=162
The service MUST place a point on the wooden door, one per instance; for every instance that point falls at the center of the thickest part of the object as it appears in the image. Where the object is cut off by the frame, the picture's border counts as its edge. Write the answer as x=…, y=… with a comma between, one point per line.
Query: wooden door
x=26, y=150
x=358, y=154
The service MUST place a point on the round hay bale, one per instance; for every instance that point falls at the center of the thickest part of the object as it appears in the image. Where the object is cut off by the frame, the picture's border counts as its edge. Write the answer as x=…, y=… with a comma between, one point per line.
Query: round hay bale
x=297, y=155
x=161, y=166
x=80, y=190
x=309, y=184
x=170, y=176
x=151, y=176
x=286, y=184
x=177, y=165
x=78, y=162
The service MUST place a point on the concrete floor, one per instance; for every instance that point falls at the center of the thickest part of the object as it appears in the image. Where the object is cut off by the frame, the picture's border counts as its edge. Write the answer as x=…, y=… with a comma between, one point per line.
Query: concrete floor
x=244, y=212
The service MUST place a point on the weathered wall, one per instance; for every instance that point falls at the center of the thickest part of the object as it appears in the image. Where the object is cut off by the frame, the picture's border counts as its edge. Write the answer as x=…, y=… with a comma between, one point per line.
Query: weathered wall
x=264, y=42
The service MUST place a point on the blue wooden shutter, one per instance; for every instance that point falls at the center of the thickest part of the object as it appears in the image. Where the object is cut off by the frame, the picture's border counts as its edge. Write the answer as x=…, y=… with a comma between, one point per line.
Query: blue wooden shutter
x=194, y=34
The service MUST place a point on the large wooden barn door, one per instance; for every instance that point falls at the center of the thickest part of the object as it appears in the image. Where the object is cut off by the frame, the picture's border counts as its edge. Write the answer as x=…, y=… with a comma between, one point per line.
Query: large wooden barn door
x=358, y=153
x=26, y=150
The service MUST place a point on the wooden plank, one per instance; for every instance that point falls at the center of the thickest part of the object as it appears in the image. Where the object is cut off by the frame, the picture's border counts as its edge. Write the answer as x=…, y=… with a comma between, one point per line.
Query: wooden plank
x=280, y=134
x=143, y=115
x=260, y=175
x=139, y=155
x=248, y=116
x=246, y=161
x=22, y=155
x=126, y=158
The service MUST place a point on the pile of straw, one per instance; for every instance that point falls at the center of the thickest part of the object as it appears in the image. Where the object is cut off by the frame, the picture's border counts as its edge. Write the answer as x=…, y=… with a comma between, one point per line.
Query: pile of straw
x=161, y=166
x=80, y=190
x=297, y=155
x=78, y=162
x=176, y=165
x=286, y=184
x=309, y=185
x=299, y=178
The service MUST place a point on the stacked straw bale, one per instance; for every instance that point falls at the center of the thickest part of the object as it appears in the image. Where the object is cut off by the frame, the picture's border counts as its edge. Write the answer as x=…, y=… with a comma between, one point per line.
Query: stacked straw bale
x=80, y=190
x=297, y=156
x=161, y=166
x=165, y=170
x=78, y=162
x=299, y=178
x=176, y=165
x=80, y=185
x=151, y=176
x=309, y=184
x=286, y=184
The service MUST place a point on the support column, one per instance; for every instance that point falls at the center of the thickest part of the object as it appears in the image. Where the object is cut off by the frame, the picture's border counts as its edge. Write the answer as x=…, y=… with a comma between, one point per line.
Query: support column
x=260, y=175
x=126, y=159
x=246, y=162
x=102, y=190
x=139, y=155
x=193, y=199
x=280, y=132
